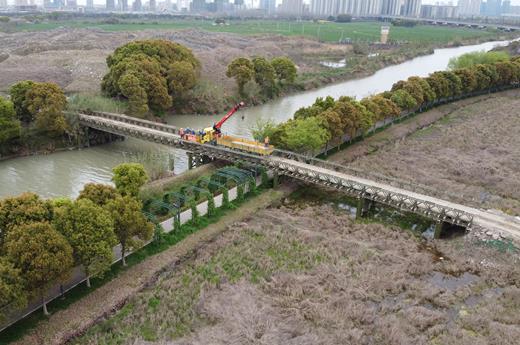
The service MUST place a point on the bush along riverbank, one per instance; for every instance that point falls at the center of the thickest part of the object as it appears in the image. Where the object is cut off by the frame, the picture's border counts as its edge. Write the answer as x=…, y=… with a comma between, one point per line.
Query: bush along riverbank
x=179, y=211
x=329, y=123
x=34, y=121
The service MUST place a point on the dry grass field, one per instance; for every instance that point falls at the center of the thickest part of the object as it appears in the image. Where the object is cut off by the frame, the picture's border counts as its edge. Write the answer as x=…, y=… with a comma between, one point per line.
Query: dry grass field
x=305, y=273
x=75, y=58
x=473, y=151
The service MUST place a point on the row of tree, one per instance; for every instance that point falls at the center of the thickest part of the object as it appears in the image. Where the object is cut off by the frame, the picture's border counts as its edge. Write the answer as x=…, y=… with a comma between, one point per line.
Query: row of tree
x=327, y=119
x=271, y=76
x=152, y=74
x=32, y=105
x=42, y=240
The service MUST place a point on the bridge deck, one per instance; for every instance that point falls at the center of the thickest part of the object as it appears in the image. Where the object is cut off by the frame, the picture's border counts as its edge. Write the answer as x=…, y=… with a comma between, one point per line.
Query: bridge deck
x=432, y=207
x=485, y=219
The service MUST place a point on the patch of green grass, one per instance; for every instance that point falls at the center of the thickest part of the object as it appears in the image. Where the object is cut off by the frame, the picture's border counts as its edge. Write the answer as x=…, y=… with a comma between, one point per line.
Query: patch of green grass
x=328, y=31
x=96, y=102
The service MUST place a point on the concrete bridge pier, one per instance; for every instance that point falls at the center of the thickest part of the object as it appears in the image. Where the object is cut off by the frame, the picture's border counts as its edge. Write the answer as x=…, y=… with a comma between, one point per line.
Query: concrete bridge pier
x=363, y=207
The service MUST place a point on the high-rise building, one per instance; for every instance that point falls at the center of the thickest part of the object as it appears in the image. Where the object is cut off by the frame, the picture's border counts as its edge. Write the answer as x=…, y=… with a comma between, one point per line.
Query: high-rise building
x=153, y=6
x=391, y=7
x=438, y=11
x=469, y=7
x=291, y=7
x=324, y=7
x=3, y=3
x=411, y=8
x=123, y=5
x=111, y=5
x=492, y=8
x=269, y=6
x=137, y=6
x=506, y=6
x=90, y=4
x=198, y=6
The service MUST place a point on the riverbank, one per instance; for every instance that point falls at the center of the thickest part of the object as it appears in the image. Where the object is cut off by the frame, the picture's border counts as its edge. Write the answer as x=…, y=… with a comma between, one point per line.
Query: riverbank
x=52, y=55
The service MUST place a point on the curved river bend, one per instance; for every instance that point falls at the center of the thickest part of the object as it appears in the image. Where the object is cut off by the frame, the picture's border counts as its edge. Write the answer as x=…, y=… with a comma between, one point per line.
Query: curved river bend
x=65, y=173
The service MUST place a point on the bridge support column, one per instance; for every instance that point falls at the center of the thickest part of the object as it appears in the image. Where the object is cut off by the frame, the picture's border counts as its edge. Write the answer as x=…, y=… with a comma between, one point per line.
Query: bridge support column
x=440, y=227
x=364, y=205
x=276, y=179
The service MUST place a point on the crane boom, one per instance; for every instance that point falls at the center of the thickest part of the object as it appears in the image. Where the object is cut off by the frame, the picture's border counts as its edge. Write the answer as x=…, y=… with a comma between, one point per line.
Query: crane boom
x=219, y=124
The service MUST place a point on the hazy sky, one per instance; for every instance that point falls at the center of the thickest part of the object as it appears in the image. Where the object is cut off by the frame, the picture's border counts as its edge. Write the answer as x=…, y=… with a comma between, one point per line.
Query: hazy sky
x=83, y=2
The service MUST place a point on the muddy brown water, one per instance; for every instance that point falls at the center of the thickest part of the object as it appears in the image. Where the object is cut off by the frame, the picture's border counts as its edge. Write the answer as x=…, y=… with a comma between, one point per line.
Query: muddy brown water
x=65, y=173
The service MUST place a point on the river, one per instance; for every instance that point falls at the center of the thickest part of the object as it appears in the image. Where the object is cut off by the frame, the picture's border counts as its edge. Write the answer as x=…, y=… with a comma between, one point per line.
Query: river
x=65, y=173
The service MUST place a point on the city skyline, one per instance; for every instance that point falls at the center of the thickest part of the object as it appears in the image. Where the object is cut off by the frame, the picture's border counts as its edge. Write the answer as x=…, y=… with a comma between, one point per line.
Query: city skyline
x=278, y=2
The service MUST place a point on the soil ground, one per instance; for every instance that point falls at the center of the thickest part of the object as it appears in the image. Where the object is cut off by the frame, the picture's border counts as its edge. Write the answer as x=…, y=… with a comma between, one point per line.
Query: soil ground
x=471, y=150
x=307, y=273
x=75, y=58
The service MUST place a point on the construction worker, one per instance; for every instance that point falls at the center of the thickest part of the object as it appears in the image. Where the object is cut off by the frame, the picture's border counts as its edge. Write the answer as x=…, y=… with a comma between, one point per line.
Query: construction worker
x=266, y=141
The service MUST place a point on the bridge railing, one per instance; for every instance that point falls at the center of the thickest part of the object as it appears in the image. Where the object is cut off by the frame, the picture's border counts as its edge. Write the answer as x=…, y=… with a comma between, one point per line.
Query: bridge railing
x=359, y=173
x=134, y=121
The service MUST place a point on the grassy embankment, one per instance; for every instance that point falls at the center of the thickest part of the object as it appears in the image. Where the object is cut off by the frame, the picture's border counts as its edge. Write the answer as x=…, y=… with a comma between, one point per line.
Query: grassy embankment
x=117, y=279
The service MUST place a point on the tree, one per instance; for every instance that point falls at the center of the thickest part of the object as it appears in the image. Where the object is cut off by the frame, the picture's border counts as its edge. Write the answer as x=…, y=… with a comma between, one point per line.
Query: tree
x=304, y=135
x=153, y=71
x=475, y=58
x=46, y=102
x=263, y=129
x=98, y=193
x=264, y=75
x=89, y=229
x=468, y=79
x=387, y=106
x=41, y=254
x=506, y=72
x=182, y=77
x=18, y=93
x=9, y=125
x=23, y=209
x=242, y=70
x=130, y=226
x=427, y=91
x=285, y=70
x=403, y=100
x=344, y=18
x=439, y=84
x=129, y=178
x=331, y=121
x=129, y=86
x=12, y=290
x=412, y=87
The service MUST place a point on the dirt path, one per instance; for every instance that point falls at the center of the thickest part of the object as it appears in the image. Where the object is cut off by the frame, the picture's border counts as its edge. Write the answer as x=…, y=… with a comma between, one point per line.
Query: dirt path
x=110, y=297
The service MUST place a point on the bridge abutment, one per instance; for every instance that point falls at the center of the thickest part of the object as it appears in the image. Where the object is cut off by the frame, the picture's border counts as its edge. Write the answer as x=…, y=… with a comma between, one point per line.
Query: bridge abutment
x=196, y=160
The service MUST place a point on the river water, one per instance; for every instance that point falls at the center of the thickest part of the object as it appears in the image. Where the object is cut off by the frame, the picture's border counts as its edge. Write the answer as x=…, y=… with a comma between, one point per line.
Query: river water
x=65, y=173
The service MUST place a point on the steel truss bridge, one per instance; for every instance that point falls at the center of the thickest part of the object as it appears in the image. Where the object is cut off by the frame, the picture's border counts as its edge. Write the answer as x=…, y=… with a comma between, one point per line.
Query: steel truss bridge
x=369, y=187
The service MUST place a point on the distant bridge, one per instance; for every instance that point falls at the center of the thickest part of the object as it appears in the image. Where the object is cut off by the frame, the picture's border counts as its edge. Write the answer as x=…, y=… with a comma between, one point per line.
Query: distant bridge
x=461, y=23
x=368, y=187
